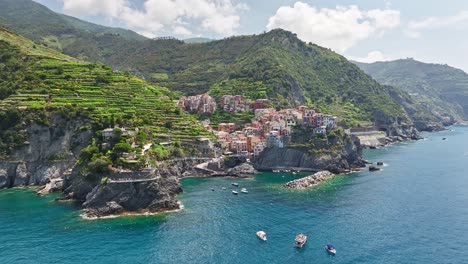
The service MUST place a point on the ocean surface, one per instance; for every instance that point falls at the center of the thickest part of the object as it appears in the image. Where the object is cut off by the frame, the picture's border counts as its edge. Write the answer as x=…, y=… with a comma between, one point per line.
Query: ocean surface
x=413, y=211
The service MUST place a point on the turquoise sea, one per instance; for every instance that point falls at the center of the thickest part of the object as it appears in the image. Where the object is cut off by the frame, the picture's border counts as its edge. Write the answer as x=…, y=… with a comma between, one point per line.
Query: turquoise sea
x=414, y=211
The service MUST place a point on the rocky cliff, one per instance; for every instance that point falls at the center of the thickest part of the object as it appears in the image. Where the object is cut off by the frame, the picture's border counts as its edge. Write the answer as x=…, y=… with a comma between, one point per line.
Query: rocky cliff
x=150, y=191
x=49, y=152
x=338, y=154
x=149, y=196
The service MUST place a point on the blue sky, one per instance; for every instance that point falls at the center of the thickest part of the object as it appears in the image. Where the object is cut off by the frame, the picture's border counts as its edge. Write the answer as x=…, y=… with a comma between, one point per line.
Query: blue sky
x=365, y=30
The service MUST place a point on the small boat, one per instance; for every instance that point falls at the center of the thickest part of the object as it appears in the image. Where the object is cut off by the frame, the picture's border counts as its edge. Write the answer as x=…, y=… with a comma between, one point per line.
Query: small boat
x=300, y=240
x=294, y=172
x=276, y=171
x=444, y=139
x=235, y=192
x=262, y=235
x=330, y=249
x=224, y=188
x=235, y=184
x=212, y=189
x=244, y=190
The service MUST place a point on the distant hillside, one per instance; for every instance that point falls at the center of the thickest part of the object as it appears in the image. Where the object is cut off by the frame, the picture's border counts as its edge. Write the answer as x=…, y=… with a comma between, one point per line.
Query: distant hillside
x=197, y=40
x=37, y=82
x=64, y=33
x=441, y=89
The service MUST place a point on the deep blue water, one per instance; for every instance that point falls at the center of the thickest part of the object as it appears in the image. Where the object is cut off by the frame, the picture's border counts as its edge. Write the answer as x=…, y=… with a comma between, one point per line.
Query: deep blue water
x=414, y=211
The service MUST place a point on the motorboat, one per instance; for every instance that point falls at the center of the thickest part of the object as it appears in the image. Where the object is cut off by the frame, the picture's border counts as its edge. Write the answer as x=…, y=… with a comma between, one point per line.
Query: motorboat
x=330, y=249
x=262, y=235
x=244, y=190
x=212, y=189
x=235, y=192
x=224, y=188
x=235, y=184
x=276, y=171
x=300, y=240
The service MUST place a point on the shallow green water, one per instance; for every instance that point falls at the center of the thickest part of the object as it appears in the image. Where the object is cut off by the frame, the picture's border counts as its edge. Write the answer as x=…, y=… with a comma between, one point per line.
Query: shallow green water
x=414, y=211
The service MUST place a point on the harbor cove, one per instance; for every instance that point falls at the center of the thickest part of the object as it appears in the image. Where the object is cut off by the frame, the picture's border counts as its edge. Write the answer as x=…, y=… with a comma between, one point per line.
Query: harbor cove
x=413, y=210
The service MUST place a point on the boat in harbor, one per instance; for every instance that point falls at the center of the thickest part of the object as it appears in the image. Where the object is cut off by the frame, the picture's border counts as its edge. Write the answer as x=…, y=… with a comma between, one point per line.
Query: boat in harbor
x=235, y=192
x=235, y=184
x=244, y=190
x=330, y=249
x=276, y=171
x=300, y=240
x=262, y=235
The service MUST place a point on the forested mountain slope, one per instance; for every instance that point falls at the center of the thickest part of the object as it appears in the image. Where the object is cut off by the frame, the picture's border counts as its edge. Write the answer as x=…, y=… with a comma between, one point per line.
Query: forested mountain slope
x=441, y=89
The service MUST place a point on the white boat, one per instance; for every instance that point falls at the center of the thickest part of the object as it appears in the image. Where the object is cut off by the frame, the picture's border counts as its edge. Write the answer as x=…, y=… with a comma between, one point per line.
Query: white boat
x=275, y=171
x=300, y=240
x=330, y=249
x=235, y=184
x=262, y=235
x=244, y=190
x=224, y=188
x=235, y=192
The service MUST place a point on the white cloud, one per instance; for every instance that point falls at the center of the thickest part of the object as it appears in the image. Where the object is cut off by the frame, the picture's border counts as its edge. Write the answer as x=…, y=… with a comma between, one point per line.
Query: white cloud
x=168, y=16
x=108, y=8
x=371, y=57
x=339, y=29
x=416, y=27
x=181, y=30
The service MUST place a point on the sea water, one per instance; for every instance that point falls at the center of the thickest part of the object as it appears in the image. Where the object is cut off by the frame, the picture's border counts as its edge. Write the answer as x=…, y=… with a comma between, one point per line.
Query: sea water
x=413, y=211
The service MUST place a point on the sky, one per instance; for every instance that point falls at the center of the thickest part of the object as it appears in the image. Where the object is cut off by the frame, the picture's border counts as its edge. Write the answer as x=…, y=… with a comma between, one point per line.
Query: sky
x=363, y=30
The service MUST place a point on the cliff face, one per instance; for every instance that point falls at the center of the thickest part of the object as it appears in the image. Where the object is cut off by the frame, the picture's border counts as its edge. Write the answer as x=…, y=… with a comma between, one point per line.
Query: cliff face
x=49, y=153
x=143, y=197
x=150, y=191
x=337, y=156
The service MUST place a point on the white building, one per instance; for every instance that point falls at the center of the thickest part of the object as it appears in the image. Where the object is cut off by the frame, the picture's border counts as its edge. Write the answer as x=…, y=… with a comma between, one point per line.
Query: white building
x=259, y=148
x=274, y=140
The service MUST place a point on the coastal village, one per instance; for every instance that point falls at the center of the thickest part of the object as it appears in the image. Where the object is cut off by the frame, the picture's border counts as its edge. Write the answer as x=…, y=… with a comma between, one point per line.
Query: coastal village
x=268, y=128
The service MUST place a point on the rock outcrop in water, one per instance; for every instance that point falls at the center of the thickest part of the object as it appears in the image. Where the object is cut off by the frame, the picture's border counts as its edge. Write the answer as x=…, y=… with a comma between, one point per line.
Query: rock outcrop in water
x=309, y=181
x=150, y=196
x=242, y=170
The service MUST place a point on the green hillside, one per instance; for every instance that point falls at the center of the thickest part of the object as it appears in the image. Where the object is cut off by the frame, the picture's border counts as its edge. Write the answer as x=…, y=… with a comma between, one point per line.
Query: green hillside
x=275, y=65
x=64, y=33
x=37, y=82
x=441, y=89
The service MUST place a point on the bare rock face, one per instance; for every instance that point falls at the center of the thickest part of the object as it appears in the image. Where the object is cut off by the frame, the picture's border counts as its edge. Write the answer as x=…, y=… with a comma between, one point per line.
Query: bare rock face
x=139, y=197
x=50, y=152
x=337, y=161
x=309, y=181
x=243, y=170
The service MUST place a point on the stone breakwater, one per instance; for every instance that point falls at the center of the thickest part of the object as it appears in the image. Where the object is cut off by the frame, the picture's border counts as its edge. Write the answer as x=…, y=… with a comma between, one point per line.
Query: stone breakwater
x=309, y=181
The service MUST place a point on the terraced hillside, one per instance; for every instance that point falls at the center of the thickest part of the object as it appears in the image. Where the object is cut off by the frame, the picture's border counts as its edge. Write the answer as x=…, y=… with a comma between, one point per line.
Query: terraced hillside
x=36, y=82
